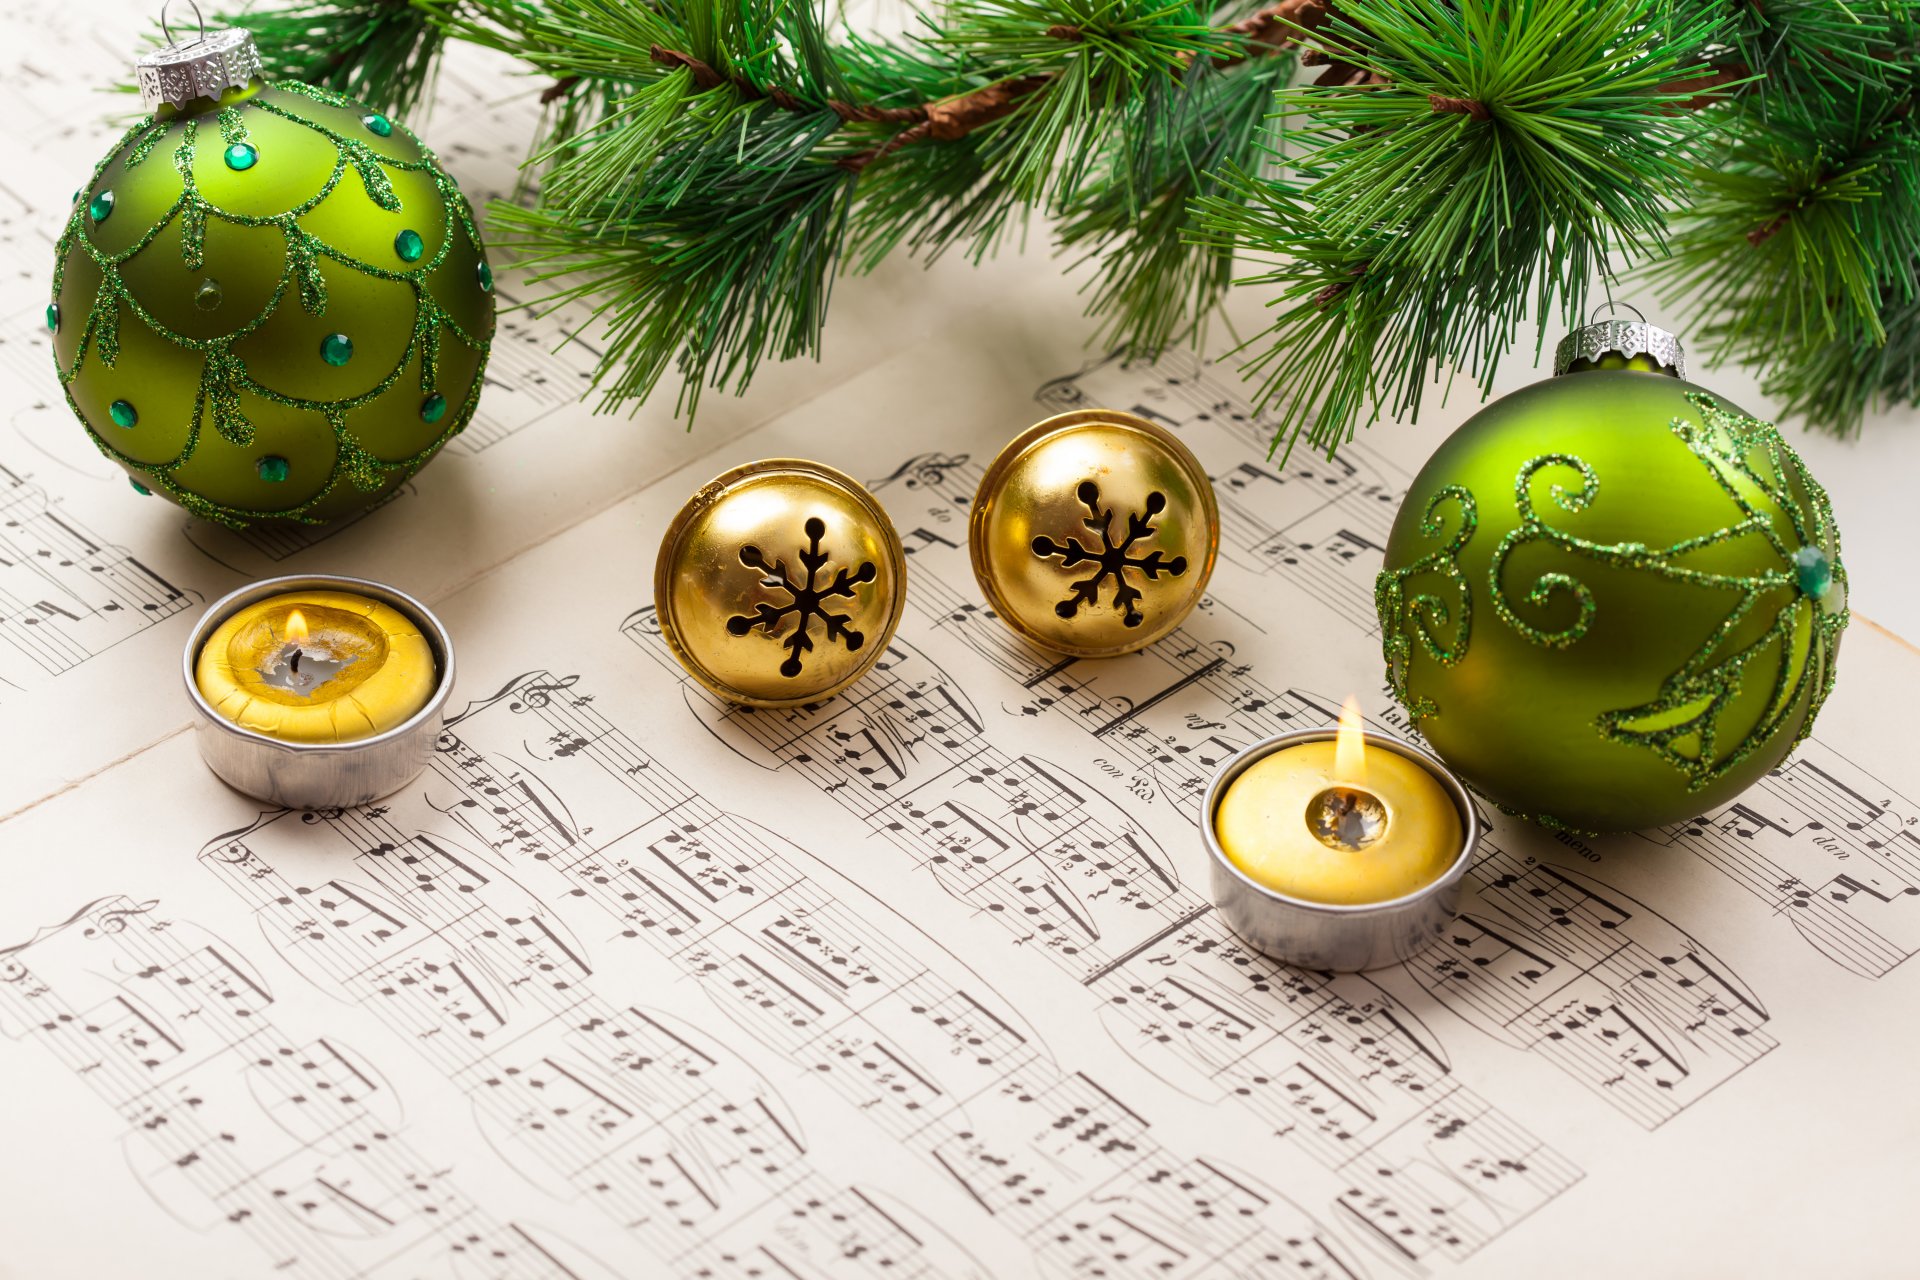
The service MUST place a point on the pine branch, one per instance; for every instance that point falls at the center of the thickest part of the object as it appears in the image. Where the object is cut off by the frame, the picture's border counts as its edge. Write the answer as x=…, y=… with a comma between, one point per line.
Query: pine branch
x=739, y=265
x=704, y=169
x=1799, y=233
x=743, y=153
x=1790, y=56
x=1467, y=170
x=380, y=52
x=1158, y=279
x=1800, y=251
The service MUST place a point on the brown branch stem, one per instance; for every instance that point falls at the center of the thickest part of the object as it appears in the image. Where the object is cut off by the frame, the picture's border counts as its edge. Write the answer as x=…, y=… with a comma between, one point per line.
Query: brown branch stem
x=1276, y=27
x=1473, y=107
x=1767, y=230
x=1704, y=90
x=1328, y=293
x=1283, y=25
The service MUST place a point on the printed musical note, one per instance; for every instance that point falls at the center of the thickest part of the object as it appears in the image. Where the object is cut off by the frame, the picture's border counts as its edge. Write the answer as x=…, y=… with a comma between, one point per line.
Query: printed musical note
x=1349, y=1078
x=535, y=368
x=1829, y=848
x=435, y=937
x=1321, y=523
x=229, y=1124
x=276, y=541
x=1608, y=990
x=65, y=594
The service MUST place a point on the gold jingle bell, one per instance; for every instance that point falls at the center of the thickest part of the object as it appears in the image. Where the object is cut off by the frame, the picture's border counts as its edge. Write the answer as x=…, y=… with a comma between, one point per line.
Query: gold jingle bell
x=779, y=583
x=1094, y=533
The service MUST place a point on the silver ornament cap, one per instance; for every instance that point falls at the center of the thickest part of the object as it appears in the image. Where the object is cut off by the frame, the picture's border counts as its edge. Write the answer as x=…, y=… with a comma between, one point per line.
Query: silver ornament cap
x=204, y=67
x=1627, y=338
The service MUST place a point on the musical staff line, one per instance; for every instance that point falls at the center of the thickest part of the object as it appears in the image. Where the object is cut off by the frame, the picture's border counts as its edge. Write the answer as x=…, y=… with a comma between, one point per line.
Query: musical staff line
x=437, y=939
x=297, y=1147
x=1175, y=711
x=67, y=595
x=1067, y=876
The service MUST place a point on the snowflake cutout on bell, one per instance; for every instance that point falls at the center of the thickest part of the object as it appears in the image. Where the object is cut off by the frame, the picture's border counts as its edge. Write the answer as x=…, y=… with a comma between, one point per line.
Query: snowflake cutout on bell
x=1093, y=533
x=269, y=301
x=779, y=583
x=805, y=600
x=1613, y=600
x=1115, y=560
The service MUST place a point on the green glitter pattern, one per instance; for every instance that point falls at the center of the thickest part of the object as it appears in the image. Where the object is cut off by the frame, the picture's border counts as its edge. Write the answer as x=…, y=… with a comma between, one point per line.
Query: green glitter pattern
x=1535, y=529
x=224, y=375
x=1424, y=615
x=1783, y=504
x=1778, y=501
x=1546, y=820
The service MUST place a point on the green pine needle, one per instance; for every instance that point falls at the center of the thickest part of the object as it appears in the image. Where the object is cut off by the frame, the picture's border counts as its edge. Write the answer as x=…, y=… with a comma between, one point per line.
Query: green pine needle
x=1158, y=279
x=1474, y=178
x=730, y=262
x=703, y=170
x=380, y=52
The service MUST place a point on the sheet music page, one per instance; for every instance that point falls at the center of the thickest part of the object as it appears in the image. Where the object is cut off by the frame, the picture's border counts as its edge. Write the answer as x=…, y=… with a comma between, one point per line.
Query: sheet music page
x=921, y=982
x=90, y=578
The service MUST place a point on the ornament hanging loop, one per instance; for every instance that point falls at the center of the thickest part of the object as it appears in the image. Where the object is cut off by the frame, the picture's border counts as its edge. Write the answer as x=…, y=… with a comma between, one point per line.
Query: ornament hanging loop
x=1587, y=345
x=1593, y=316
x=205, y=67
x=166, y=32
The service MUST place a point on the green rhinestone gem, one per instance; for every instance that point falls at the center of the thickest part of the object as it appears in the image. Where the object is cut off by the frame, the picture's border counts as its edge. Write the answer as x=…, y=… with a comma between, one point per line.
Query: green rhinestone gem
x=1812, y=571
x=433, y=408
x=409, y=246
x=208, y=295
x=100, y=207
x=53, y=317
x=379, y=124
x=241, y=156
x=485, y=274
x=123, y=413
x=273, y=468
x=139, y=488
x=336, y=349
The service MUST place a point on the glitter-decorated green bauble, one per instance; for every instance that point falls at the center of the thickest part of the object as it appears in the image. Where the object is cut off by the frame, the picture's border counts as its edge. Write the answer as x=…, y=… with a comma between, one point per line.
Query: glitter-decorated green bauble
x=1612, y=600
x=269, y=301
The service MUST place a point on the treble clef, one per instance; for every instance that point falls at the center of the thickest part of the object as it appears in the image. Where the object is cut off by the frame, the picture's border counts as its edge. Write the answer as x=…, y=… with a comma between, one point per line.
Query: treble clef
x=538, y=693
x=114, y=919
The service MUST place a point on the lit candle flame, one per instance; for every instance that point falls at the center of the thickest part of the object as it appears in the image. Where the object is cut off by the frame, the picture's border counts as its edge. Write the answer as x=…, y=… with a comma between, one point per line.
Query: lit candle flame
x=296, y=628
x=1350, y=748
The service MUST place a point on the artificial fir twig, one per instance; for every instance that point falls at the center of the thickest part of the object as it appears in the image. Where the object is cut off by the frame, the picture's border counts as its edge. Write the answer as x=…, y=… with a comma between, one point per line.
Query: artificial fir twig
x=1800, y=247
x=1473, y=175
x=1453, y=168
x=695, y=216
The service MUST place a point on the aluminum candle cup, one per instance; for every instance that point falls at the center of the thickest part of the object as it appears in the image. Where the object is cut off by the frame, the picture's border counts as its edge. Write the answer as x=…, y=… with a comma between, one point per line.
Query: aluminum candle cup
x=1343, y=937
x=284, y=770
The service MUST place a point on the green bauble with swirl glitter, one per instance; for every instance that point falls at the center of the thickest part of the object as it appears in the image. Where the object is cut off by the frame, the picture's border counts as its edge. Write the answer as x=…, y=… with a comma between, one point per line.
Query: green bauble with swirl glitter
x=269, y=301
x=1613, y=600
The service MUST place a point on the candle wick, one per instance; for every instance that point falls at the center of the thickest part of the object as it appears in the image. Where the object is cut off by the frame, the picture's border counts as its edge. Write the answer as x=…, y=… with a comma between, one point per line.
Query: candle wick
x=1347, y=818
x=295, y=663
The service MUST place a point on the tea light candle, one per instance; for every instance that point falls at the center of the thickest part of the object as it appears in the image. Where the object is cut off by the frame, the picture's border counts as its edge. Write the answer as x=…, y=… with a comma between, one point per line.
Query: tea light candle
x=317, y=666
x=1338, y=850
x=1331, y=822
x=318, y=692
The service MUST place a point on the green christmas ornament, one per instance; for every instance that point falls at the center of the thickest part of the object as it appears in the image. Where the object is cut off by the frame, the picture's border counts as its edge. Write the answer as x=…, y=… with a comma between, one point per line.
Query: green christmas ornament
x=1613, y=600
x=260, y=288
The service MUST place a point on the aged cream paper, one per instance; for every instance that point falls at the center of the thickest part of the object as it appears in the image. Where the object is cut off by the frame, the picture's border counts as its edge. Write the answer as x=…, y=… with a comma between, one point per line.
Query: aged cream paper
x=921, y=982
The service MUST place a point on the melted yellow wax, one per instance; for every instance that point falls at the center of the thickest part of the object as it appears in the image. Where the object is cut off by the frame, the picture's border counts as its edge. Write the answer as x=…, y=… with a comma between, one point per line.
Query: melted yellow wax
x=387, y=672
x=1261, y=822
